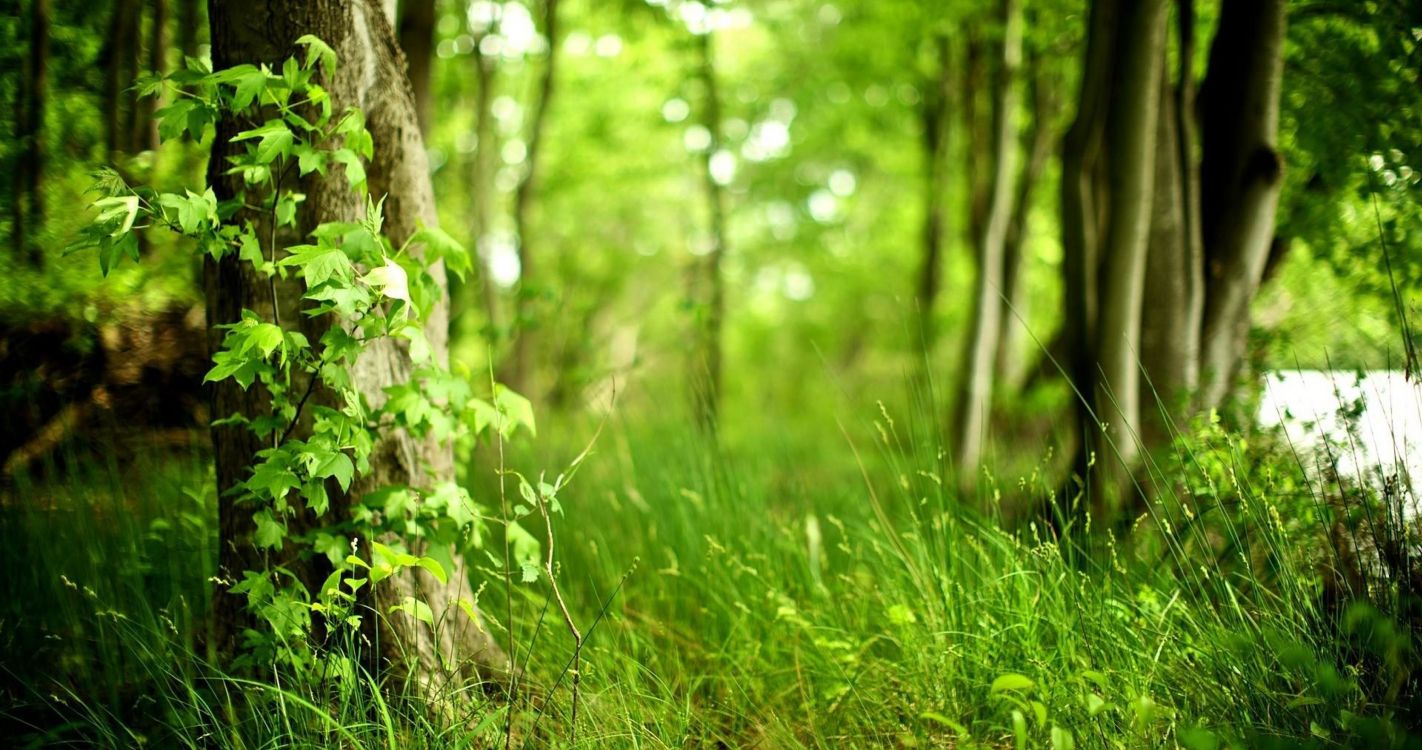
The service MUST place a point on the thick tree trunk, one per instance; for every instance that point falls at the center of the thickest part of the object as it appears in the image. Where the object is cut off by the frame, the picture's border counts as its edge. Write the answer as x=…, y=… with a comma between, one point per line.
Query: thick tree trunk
x=189, y=26
x=935, y=169
x=1241, y=173
x=417, y=28
x=521, y=364
x=370, y=76
x=975, y=403
x=1106, y=222
x=706, y=359
x=28, y=208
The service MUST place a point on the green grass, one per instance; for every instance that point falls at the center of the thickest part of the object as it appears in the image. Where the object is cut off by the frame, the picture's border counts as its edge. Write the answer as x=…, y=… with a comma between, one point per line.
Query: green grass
x=784, y=596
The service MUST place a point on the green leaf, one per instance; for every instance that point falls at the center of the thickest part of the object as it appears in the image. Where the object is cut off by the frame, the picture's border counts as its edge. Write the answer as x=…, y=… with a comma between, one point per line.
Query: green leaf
x=530, y=572
x=416, y=609
x=276, y=140
x=435, y=569
x=318, y=50
x=1012, y=682
x=355, y=170
x=336, y=464
x=318, y=264
x=270, y=532
x=440, y=246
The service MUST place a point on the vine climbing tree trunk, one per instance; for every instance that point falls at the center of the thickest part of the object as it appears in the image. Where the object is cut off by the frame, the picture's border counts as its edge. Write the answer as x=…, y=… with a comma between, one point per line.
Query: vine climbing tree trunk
x=371, y=76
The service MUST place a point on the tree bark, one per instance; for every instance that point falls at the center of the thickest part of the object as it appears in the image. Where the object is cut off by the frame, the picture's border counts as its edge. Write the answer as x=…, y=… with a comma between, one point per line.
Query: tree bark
x=706, y=365
x=1083, y=196
x=1170, y=323
x=1241, y=174
x=119, y=60
x=371, y=76
x=417, y=28
x=28, y=208
x=147, y=132
x=935, y=169
x=975, y=403
x=521, y=365
x=1131, y=130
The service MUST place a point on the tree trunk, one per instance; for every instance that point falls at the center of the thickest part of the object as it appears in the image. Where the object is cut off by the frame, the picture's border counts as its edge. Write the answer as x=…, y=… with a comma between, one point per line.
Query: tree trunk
x=935, y=170
x=189, y=26
x=147, y=132
x=1106, y=223
x=118, y=59
x=481, y=193
x=975, y=403
x=28, y=208
x=1083, y=197
x=1170, y=324
x=521, y=365
x=417, y=28
x=706, y=365
x=371, y=76
x=1040, y=140
x=1241, y=173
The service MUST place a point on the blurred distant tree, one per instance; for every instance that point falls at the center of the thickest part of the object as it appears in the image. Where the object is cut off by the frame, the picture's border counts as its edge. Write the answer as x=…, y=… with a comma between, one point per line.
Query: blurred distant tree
x=119, y=60
x=30, y=136
x=709, y=283
x=974, y=405
x=519, y=372
x=417, y=30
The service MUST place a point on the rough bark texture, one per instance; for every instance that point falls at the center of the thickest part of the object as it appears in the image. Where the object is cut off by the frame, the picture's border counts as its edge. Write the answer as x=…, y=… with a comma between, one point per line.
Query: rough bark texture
x=975, y=403
x=371, y=76
x=706, y=362
x=935, y=169
x=520, y=370
x=1241, y=173
x=27, y=212
x=417, y=28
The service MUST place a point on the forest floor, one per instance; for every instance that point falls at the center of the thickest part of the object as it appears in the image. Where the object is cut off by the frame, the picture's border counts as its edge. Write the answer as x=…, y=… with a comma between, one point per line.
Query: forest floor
x=826, y=594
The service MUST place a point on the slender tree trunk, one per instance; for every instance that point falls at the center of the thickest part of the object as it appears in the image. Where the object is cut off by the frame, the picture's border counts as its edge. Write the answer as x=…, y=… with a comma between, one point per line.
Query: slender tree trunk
x=417, y=28
x=706, y=365
x=28, y=208
x=935, y=169
x=1041, y=140
x=1170, y=323
x=1131, y=131
x=977, y=112
x=481, y=181
x=521, y=365
x=1241, y=173
x=147, y=132
x=1083, y=196
x=370, y=76
x=975, y=403
x=189, y=26
x=117, y=59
